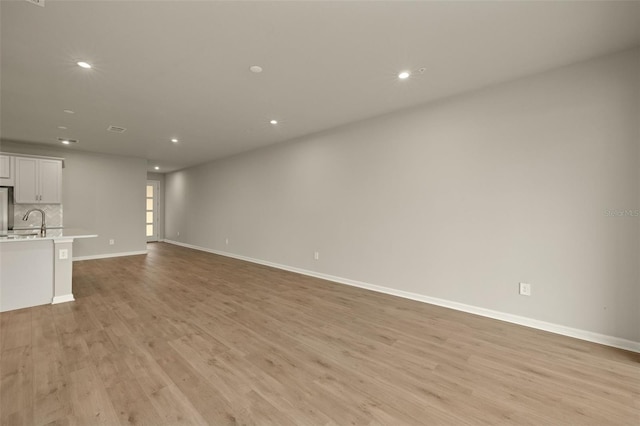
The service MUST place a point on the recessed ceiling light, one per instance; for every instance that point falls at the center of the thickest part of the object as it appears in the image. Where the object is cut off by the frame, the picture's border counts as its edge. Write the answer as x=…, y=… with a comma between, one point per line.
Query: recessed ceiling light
x=67, y=141
x=84, y=64
x=174, y=140
x=68, y=111
x=255, y=68
x=274, y=122
x=404, y=74
x=62, y=127
x=157, y=167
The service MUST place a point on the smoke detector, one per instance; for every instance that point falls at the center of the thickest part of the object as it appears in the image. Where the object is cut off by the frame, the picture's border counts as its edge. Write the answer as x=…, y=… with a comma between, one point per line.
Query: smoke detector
x=116, y=129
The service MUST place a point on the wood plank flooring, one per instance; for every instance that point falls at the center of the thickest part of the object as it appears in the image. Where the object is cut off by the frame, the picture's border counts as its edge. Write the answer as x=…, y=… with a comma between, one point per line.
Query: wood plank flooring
x=181, y=337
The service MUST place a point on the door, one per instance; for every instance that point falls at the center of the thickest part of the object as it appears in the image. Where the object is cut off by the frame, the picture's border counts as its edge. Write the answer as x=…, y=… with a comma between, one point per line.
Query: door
x=26, y=181
x=50, y=181
x=153, y=210
x=5, y=167
x=7, y=170
x=38, y=181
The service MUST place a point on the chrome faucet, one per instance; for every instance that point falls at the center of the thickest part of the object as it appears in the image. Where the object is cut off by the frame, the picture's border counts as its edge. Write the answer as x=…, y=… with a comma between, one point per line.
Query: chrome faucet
x=43, y=227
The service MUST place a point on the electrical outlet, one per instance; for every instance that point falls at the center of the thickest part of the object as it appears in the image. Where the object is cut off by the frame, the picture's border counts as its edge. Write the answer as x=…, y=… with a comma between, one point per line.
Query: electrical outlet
x=316, y=255
x=525, y=289
x=226, y=241
x=63, y=254
x=112, y=242
x=178, y=233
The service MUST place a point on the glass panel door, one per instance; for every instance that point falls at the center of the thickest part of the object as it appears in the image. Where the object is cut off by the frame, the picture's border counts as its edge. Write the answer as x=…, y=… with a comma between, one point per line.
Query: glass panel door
x=152, y=210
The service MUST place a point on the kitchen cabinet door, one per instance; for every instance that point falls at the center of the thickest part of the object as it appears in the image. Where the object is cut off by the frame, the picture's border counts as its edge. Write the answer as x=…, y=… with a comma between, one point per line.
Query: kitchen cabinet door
x=38, y=181
x=26, y=189
x=7, y=170
x=50, y=181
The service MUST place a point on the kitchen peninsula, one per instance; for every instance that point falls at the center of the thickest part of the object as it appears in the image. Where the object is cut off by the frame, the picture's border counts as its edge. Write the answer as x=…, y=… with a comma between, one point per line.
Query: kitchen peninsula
x=37, y=270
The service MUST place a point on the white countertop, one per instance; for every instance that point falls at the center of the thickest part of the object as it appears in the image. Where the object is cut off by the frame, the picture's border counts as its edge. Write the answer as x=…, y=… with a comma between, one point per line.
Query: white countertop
x=36, y=228
x=52, y=234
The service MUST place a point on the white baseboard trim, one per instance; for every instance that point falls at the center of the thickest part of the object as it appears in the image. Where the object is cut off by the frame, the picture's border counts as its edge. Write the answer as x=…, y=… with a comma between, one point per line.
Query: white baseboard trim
x=62, y=299
x=107, y=255
x=589, y=336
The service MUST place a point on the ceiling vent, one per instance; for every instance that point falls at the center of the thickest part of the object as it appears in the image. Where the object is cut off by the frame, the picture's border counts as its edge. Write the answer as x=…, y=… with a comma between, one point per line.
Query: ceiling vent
x=67, y=140
x=116, y=129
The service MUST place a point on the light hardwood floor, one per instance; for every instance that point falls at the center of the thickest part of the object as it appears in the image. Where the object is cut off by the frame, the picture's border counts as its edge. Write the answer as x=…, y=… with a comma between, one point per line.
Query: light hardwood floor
x=186, y=337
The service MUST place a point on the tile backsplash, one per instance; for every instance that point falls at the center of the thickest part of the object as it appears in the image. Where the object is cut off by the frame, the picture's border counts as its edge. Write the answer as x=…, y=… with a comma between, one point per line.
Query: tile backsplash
x=53, y=215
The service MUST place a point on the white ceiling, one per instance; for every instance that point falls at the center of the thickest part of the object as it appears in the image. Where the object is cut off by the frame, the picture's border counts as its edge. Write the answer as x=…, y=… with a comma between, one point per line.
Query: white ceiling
x=166, y=69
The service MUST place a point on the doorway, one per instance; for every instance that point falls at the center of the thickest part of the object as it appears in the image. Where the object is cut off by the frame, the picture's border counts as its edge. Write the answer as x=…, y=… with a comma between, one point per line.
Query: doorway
x=153, y=209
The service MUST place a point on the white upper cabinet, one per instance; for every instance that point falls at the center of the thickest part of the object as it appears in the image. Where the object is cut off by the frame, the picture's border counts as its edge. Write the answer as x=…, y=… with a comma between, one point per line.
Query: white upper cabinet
x=38, y=181
x=7, y=170
x=50, y=181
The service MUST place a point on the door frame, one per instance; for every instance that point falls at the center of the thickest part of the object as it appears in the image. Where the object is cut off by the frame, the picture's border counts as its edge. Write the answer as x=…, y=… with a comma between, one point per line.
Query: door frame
x=156, y=210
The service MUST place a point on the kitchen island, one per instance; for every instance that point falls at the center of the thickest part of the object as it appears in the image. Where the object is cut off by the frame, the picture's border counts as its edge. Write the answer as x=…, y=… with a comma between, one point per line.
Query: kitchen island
x=37, y=270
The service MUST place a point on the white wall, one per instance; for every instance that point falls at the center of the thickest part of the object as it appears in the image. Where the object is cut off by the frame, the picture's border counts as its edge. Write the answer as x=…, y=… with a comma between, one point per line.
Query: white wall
x=104, y=194
x=458, y=200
